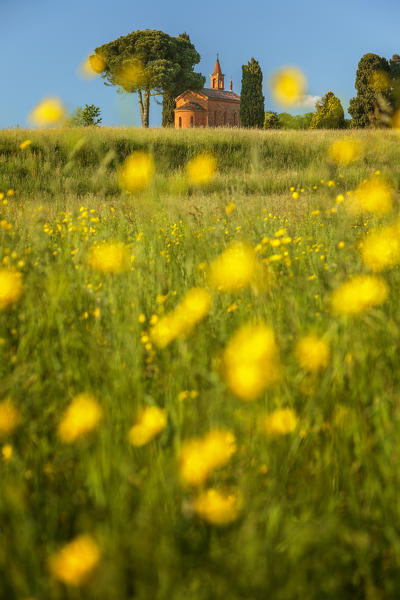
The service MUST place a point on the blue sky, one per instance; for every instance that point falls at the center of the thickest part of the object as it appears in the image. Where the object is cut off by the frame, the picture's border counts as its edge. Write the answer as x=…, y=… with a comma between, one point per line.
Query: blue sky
x=43, y=42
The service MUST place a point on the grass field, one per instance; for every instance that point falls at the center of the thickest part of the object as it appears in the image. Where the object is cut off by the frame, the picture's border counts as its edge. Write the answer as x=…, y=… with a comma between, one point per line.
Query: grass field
x=193, y=404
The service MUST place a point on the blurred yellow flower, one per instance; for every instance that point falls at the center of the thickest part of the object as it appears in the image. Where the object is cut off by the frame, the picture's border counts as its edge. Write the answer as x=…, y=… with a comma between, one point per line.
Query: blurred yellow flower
x=137, y=172
x=359, y=294
x=132, y=75
x=151, y=422
x=97, y=63
x=395, y=122
x=81, y=416
x=25, y=144
x=74, y=563
x=230, y=207
x=202, y=169
x=381, y=248
x=201, y=456
x=9, y=417
x=179, y=322
x=10, y=287
x=373, y=195
x=250, y=361
x=109, y=258
x=345, y=150
x=288, y=86
x=379, y=81
x=6, y=452
x=48, y=112
x=217, y=508
x=92, y=66
x=312, y=353
x=234, y=268
x=280, y=422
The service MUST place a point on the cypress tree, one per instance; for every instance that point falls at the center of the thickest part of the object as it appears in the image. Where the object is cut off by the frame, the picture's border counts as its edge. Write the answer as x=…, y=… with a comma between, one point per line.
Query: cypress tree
x=251, y=98
x=373, y=89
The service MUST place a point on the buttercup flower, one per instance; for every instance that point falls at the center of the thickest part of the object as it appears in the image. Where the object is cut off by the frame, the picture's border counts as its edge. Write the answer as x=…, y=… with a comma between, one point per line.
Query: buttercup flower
x=81, y=417
x=312, y=353
x=217, y=508
x=151, y=422
x=74, y=563
x=137, y=172
x=359, y=294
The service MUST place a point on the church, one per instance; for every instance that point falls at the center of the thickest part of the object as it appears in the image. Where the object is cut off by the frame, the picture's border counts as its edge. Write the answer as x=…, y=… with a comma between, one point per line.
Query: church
x=210, y=107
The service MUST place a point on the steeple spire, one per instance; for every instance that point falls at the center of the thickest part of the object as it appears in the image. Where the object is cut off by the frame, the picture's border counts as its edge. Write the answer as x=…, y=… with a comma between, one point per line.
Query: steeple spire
x=217, y=77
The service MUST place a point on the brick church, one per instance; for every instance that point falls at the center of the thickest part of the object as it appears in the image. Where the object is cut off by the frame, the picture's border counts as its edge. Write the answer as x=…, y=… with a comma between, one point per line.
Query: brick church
x=210, y=107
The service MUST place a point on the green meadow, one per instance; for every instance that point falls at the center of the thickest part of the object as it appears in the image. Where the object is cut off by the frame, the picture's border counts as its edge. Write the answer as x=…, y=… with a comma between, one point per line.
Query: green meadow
x=308, y=507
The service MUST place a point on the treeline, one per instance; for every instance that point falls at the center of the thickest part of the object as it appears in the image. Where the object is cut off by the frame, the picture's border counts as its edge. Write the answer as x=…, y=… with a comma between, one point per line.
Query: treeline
x=376, y=104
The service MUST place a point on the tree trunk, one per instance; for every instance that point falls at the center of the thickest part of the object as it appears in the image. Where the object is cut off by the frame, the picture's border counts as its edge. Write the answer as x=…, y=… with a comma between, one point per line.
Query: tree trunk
x=168, y=115
x=141, y=107
x=145, y=121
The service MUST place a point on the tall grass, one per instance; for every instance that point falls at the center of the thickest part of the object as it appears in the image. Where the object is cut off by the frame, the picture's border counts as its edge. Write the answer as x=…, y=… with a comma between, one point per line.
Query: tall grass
x=319, y=507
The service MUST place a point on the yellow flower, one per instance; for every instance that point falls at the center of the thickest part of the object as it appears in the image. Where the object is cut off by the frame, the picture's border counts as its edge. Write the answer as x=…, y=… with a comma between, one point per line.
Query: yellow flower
x=132, y=75
x=295, y=195
x=48, y=112
x=250, y=361
x=81, y=416
x=137, y=172
x=9, y=417
x=345, y=150
x=379, y=81
x=74, y=563
x=202, y=169
x=216, y=507
x=359, y=294
x=312, y=353
x=234, y=268
x=6, y=452
x=280, y=422
x=97, y=63
x=288, y=86
x=10, y=287
x=151, y=422
x=373, y=195
x=195, y=305
x=230, y=207
x=396, y=120
x=381, y=248
x=179, y=322
x=25, y=144
x=92, y=66
x=201, y=456
x=109, y=258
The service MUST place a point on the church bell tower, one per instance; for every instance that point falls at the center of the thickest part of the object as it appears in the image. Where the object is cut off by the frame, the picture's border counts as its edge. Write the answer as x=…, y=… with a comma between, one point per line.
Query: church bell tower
x=217, y=77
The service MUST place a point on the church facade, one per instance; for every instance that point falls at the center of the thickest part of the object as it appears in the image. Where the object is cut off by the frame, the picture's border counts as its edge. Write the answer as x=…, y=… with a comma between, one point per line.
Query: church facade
x=210, y=107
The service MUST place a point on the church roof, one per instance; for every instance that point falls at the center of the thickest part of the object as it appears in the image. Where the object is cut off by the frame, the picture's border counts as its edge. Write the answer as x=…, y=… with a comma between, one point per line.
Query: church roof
x=217, y=68
x=190, y=106
x=222, y=94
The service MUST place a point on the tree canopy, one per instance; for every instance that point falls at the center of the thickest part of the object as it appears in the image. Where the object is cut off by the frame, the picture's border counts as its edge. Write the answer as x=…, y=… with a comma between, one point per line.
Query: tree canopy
x=329, y=113
x=252, y=99
x=186, y=56
x=373, y=85
x=148, y=62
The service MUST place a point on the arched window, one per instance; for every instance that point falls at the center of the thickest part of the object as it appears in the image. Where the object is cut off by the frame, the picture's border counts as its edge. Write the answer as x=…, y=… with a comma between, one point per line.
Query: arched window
x=191, y=121
x=234, y=118
x=180, y=121
x=213, y=83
